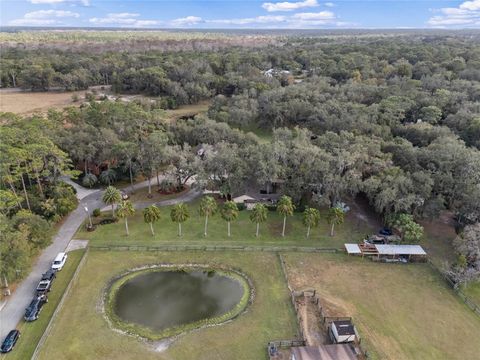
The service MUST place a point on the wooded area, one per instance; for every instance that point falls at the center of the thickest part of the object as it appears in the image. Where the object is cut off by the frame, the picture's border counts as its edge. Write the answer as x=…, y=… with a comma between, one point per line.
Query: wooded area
x=394, y=119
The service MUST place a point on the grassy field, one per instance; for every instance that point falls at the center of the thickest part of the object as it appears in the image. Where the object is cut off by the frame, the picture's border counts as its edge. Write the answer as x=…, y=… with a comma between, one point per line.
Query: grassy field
x=81, y=332
x=402, y=312
x=32, y=332
x=243, y=231
x=30, y=102
x=473, y=291
x=186, y=111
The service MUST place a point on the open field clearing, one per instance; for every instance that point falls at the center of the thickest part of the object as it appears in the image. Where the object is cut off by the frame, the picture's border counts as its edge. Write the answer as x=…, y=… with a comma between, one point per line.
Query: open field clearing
x=32, y=332
x=187, y=111
x=81, y=331
x=402, y=312
x=30, y=102
x=243, y=231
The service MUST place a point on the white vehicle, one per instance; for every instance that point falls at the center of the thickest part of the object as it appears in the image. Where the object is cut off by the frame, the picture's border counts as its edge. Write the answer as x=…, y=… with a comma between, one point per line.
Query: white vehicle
x=59, y=261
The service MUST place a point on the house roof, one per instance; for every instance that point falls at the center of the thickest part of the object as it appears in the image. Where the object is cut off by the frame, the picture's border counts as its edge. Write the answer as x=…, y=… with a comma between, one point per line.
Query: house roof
x=324, y=352
x=400, y=249
x=353, y=249
x=344, y=327
x=241, y=199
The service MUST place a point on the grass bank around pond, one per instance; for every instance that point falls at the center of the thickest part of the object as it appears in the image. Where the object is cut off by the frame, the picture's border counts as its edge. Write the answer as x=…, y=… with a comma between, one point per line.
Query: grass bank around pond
x=82, y=332
x=31, y=332
x=152, y=334
x=243, y=231
x=402, y=312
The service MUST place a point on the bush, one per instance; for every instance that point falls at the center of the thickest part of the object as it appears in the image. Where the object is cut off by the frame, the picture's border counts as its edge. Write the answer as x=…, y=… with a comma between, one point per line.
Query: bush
x=89, y=180
x=241, y=207
x=167, y=186
x=96, y=212
x=108, y=176
x=109, y=220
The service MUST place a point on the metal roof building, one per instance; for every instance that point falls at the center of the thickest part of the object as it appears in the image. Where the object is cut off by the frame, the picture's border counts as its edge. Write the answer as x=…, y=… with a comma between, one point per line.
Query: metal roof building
x=400, y=250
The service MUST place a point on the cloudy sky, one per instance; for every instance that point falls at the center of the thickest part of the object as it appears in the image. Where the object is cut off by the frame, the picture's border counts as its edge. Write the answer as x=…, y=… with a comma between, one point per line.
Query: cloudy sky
x=292, y=14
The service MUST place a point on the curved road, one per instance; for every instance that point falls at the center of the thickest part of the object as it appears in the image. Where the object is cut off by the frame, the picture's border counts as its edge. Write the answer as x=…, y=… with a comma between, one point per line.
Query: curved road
x=14, y=309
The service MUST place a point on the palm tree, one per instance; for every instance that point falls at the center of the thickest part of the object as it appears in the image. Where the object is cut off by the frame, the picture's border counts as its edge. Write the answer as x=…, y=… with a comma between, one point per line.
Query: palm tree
x=335, y=216
x=125, y=209
x=179, y=214
x=259, y=215
x=208, y=207
x=311, y=217
x=285, y=207
x=151, y=214
x=229, y=213
x=112, y=196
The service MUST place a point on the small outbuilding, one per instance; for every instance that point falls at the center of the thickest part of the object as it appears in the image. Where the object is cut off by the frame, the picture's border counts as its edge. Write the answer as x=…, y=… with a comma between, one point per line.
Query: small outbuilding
x=406, y=252
x=342, y=331
x=323, y=352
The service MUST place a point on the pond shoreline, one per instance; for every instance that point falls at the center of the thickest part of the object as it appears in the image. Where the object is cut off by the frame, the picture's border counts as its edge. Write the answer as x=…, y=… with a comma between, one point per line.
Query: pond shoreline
x=161, y=340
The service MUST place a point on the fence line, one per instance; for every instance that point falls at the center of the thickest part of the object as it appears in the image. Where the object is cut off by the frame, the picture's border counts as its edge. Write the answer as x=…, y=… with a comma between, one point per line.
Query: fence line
x=277, y=249
x=468, y=301
x=168, y=247
x=49, y=327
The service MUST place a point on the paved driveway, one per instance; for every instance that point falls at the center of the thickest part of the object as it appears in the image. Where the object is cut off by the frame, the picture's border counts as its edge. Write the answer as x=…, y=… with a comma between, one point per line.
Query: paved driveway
x=14, y=309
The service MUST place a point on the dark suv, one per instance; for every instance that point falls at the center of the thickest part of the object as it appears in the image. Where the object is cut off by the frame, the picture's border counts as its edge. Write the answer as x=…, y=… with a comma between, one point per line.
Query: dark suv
x=10, y=341
x=49, y=275
x=32, y=311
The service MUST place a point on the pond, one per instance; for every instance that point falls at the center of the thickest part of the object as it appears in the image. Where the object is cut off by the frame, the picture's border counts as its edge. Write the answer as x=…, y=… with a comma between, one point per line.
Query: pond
x=164, y=299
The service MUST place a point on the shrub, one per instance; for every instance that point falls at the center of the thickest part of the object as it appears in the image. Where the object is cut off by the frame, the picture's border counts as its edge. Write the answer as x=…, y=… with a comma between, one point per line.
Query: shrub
x=96, y=212
x=241, y=206
x=272, y=207
x=108, y=176
x=167, y=186
x=107, y=221
x=89, y=180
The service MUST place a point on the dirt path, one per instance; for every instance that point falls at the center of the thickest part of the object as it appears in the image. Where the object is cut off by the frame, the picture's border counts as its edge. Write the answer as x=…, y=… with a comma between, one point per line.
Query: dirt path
x=311, y=324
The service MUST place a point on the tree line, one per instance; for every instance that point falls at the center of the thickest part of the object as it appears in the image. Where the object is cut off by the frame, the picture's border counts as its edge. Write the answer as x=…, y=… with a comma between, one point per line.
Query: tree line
x=393, y=120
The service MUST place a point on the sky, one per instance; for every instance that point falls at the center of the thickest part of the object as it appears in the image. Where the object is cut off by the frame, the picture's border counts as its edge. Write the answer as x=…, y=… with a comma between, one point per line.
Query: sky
x=251, y=14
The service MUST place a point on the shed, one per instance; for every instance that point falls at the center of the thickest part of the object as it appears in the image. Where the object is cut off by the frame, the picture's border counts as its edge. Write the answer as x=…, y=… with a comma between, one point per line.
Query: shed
x=323, y=352
x=343, y=331
x=410, y=252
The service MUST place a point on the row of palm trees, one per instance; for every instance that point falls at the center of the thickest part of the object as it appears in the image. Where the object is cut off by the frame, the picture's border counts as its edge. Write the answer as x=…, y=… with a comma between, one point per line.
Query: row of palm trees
x=228, y=211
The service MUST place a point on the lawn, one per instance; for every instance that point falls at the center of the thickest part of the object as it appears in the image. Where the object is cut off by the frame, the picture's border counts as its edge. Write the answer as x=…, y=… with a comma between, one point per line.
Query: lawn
x=243, y=231
x=401, y=311
x=141, y=195
x=81, y=331
x=32, y=332
x=473, y=292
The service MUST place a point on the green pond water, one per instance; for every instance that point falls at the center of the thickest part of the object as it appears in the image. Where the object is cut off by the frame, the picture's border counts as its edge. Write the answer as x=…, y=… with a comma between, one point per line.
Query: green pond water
x=164, y=299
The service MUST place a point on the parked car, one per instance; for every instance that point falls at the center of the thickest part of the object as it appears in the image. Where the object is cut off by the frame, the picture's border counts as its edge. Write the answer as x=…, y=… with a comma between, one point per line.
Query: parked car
x=43, y=287
x=385, y=232
x=59, y=261
x=49, y=275
x=33, y=310
x=10, y=341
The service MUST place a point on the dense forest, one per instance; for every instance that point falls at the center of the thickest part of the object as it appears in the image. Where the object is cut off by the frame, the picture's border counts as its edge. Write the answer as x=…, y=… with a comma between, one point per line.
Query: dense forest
x=392, y=119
